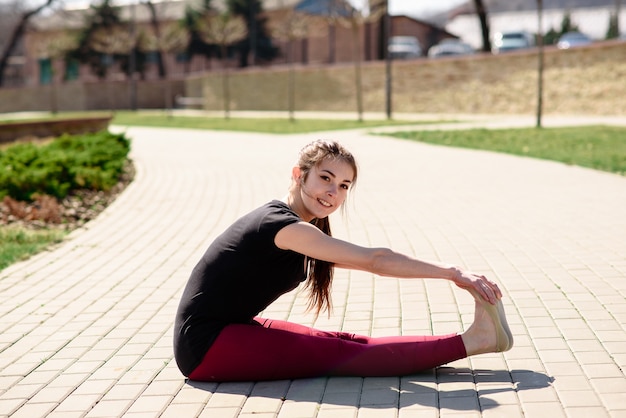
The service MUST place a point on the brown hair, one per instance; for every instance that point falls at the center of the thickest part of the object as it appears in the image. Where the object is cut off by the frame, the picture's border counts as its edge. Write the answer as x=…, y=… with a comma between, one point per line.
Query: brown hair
x=320, y=273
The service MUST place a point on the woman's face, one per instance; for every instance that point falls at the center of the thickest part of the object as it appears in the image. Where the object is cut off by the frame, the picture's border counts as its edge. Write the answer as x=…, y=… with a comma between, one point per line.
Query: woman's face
x=325, y=188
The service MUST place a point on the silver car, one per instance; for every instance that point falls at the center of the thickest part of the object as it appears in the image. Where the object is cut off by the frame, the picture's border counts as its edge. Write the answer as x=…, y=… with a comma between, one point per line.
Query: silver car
x=573, y=39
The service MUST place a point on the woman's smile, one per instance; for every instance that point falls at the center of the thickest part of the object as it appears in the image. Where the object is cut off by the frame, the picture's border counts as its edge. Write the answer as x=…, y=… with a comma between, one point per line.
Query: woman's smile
x=327, y=184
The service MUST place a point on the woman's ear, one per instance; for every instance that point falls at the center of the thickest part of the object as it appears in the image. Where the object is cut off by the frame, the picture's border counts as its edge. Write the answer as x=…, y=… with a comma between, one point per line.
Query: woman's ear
x=296, y=174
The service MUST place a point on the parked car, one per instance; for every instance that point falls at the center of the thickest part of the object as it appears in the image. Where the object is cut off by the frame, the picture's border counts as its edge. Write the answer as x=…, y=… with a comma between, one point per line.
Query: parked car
x=510, y=41
x=573, y=39
x=450, y=47
x=404, y=47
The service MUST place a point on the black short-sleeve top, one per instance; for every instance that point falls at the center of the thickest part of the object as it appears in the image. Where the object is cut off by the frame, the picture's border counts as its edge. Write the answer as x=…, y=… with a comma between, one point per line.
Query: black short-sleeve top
x=239, y=275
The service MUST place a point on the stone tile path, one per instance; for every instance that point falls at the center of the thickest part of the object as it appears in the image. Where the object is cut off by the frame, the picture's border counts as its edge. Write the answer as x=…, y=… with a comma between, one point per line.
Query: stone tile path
x=86, y=328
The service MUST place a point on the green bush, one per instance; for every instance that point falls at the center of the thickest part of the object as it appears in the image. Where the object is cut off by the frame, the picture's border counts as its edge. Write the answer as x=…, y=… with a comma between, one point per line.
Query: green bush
x=90, y=161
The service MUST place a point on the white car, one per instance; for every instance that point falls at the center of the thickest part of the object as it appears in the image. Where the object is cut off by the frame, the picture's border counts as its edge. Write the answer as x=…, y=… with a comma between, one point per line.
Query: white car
x=509, y=41
x=404, y=47
x=450, y=47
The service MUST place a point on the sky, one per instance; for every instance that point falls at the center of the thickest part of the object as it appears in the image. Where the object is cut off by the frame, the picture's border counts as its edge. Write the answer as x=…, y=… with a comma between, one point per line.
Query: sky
x=415, y=8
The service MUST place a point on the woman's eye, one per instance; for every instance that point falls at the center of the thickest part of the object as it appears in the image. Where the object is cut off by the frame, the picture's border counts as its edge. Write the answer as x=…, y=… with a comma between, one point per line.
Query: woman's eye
x=325, y=178
x=344, y=186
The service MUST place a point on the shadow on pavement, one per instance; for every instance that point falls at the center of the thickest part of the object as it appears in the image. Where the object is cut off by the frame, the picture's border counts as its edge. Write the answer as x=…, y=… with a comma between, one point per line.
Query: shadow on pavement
x=457, y=389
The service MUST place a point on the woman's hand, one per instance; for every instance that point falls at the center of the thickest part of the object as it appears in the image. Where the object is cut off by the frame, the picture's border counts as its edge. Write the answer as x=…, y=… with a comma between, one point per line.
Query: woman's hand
x=487, y=289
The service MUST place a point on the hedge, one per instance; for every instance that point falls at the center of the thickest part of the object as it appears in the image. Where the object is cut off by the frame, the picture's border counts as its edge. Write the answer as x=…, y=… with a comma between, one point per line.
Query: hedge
x=70, y=162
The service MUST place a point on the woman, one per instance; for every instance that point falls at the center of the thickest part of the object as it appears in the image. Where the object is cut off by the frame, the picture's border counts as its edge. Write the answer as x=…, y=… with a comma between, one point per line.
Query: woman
x=270, y=251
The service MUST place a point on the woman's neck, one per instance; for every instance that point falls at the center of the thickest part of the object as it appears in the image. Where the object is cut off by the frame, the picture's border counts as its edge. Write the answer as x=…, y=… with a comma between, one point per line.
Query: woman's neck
x=295, y=203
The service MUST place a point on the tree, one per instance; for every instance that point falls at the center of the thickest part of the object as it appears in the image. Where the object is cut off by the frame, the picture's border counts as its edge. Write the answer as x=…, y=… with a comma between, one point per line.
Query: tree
x=566, y=23
x=293, y=27
x=109, y=42
x=190, y=22
x=173, y=38
x=154, y=23
x=16, y=35
x=114, y=40
x=613, y=30
x=331, y=10
x=481, y=11
x=257, y=45
x=94, y=47
x=355, y=19
x=540, y=67
x=552, y=36
x=223, y=30
x=55, y=47
x=112, y=43
x=618, y=13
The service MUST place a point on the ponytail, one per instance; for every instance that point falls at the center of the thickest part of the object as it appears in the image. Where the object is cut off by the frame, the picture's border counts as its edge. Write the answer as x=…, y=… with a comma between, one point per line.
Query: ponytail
x=320, y=276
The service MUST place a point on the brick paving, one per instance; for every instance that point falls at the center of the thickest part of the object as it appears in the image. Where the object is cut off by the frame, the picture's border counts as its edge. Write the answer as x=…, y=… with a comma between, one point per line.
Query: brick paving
x=86, y=328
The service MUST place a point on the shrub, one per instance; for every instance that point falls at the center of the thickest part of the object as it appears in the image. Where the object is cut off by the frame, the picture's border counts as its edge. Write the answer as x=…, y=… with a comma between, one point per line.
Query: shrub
x=91, y=161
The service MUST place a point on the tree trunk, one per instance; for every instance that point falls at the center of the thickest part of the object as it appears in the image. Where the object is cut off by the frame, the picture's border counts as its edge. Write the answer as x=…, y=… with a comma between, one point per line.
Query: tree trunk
x=618, y=11
x=357, y=70
x=154, y=21
x=540, y=63
x=387, y=57
x=481, y=11
x=225, y=84
x=291, y=82
x=331, y=42
x=17, y=33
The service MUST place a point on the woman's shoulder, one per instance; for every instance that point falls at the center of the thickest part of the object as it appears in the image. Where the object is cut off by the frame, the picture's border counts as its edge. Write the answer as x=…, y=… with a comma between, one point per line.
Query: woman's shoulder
x=276, y=211
x=264, y=221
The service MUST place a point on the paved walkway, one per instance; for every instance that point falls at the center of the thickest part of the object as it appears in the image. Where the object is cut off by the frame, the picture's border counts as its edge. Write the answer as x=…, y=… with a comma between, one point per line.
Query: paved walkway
x=85, y=329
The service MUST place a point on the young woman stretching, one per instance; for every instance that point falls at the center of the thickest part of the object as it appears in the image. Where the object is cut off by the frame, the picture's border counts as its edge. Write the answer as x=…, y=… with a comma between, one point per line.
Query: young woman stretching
x=270, y=251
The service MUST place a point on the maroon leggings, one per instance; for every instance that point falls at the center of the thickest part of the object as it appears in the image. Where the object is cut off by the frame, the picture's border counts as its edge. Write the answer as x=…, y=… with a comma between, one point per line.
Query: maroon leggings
x=277, y=350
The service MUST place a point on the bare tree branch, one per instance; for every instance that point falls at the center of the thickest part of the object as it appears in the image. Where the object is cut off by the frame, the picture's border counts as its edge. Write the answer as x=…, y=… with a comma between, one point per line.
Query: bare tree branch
x=355, y=19
x=223, y=30
x=294, y=26
x=16, y=35
x=481, y=11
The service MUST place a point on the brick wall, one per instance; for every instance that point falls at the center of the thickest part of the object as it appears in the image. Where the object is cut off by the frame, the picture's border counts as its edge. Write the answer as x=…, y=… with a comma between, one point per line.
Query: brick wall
x=75, y=96
x=586, y=80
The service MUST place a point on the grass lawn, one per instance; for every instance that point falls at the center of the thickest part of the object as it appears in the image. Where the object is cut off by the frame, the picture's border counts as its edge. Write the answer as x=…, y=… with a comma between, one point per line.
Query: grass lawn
x=20, y=243
x=598, y=147
x=265, y=125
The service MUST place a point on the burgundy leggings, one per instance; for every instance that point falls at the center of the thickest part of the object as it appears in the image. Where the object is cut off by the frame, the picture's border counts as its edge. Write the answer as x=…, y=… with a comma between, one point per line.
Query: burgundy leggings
x=277, y=350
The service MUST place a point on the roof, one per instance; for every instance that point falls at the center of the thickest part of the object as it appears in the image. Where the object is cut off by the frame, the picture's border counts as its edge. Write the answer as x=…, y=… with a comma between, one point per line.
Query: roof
x=324, y=7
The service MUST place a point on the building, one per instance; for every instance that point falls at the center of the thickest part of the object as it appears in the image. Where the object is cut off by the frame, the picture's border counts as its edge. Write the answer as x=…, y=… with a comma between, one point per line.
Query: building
x=326, y=42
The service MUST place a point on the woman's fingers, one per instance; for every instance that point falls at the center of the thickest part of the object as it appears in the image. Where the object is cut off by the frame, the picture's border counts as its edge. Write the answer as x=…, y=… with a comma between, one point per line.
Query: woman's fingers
x=490, y=290
x=486, y=288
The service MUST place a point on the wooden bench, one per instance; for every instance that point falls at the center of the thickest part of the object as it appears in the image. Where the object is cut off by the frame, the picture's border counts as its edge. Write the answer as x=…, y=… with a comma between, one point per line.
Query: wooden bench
x=186, y=102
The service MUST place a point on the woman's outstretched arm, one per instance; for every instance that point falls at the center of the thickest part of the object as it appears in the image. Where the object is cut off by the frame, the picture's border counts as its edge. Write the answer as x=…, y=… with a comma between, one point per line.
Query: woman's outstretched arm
x=306, y=239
